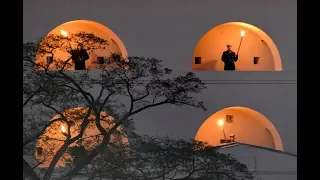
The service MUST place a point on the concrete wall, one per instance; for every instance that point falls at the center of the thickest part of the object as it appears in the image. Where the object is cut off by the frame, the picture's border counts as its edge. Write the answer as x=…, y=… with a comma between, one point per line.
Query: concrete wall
x=247, y=127
x=266, y=165
x=275, y=101
x=71, y=28
x=170, y=31
x=165, y=29
x=213, y=43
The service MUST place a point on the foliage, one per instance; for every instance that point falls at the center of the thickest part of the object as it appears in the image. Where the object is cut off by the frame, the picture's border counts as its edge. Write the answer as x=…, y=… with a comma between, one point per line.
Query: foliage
x=164, y=158
x=123, y=87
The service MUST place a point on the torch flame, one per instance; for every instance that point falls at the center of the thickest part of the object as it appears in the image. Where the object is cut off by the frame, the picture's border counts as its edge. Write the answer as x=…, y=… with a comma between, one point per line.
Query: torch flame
x=220, y=123
x=64, y=33
x=63, y=129
x=242, y=33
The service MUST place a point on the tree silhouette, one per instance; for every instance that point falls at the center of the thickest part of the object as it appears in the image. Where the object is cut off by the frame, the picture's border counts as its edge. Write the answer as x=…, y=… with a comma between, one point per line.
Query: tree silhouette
x=164, y=158
x=122, y=87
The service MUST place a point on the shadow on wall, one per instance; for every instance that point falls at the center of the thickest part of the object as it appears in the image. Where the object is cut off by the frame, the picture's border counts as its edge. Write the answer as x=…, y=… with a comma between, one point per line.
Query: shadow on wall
x=115, y=45
x=247, y=125
x=255, y=43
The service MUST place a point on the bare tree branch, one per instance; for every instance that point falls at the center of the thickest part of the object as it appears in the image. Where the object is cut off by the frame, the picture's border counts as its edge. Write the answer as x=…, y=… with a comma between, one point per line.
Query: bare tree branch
x=143, y=81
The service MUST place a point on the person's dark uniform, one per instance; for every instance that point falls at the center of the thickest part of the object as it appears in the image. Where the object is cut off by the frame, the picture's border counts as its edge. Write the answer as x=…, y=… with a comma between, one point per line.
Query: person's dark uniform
x=229, y=57
x=79, y=154
x=79, y=57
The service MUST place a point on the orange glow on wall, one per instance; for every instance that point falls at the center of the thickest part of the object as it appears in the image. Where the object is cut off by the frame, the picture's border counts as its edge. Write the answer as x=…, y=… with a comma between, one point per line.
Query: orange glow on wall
x=63, y=129
x=248, y=126
x=220, y=123
x=115, y=45
x=52, y=140
x=64, y=33
x=242, y=33
x=255, y=43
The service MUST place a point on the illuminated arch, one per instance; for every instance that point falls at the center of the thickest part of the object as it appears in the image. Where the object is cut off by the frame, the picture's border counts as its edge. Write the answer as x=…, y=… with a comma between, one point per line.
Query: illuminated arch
x=100, y=30
x=256, y=43
x=52, y=139
x=248, y=125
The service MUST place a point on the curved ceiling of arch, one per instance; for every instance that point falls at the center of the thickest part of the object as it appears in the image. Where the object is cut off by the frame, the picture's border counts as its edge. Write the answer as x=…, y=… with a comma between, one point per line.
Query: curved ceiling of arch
x=207, y=127
x=211, y=59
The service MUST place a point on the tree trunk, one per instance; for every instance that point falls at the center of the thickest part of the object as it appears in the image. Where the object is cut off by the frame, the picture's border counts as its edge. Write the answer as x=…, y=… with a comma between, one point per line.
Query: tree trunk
x=29, y=171
x=89, y=158
x=54, y=161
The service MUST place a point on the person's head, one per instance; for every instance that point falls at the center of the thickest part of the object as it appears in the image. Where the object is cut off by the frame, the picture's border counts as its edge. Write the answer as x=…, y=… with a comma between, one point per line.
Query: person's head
x=80, y=46
x=229, y=47
x=79, y=142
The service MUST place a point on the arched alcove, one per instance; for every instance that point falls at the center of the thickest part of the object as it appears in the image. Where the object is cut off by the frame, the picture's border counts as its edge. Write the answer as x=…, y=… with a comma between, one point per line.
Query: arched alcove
x=115, y=45
x=248, y=126
x=54, y=136
x=255, y=43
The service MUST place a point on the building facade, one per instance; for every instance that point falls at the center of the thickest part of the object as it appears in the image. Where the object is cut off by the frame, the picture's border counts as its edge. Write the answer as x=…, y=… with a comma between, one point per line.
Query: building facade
x=257, y=102
x=265, y=163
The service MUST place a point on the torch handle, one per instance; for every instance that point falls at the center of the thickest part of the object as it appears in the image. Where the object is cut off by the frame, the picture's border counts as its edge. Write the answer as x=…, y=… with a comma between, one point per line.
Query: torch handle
x=239, y=45
x=224, y=134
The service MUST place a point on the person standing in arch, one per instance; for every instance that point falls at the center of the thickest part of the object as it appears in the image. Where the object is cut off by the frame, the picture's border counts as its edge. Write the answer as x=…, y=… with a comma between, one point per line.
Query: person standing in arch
x=79, y=57
x=229, y=57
